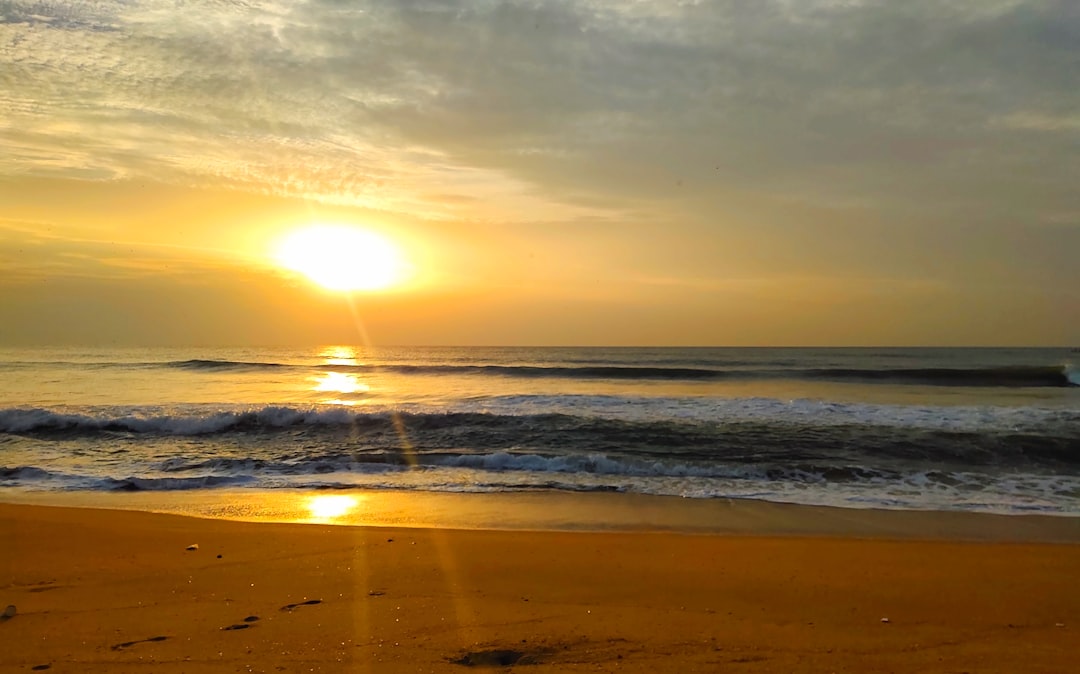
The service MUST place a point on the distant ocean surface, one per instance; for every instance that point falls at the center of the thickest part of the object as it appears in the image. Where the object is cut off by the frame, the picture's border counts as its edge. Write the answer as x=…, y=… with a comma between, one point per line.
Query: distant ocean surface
x=994, y=430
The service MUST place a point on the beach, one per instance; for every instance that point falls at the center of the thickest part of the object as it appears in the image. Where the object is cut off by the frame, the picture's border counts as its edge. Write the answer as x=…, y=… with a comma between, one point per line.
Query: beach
x=106, y=590
x=538, y=509
x=526, y=336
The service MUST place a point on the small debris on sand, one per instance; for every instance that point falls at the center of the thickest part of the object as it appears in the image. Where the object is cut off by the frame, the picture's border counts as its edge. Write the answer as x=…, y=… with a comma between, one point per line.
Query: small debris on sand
x=9, y=612
x=192, y=547
x=884, y=620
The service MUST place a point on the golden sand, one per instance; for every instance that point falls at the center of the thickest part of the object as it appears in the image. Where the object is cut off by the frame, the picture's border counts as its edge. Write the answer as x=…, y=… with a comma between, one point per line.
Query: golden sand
x=118, y=591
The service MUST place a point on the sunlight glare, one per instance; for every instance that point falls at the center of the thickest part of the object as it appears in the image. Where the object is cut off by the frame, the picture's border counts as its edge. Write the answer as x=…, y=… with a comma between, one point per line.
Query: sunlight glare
x=338, y=257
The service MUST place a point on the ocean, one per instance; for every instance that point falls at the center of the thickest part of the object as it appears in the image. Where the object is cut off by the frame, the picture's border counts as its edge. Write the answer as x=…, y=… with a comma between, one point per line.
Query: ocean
x=994, y=430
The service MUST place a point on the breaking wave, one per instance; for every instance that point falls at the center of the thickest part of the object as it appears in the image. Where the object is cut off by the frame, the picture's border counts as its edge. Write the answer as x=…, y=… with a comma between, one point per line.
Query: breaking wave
x=1019, y=376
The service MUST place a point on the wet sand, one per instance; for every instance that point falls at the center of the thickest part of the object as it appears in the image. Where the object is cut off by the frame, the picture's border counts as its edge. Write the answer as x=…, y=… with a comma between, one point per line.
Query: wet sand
x=118, y=591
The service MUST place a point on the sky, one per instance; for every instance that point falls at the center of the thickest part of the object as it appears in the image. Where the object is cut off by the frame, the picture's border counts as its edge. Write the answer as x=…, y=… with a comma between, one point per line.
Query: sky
x=590, y=172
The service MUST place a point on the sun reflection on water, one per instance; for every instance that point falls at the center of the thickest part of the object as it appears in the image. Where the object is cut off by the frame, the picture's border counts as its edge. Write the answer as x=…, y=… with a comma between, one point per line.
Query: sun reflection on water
x=339, y=382
x=340, y=355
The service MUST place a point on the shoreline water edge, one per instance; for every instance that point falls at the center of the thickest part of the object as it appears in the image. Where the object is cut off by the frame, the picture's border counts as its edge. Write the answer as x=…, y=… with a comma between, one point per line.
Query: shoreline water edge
x=557, y=511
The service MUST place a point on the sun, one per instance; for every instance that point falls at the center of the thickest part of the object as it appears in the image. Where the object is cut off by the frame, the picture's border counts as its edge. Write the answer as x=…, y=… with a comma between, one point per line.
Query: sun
x=340, y=257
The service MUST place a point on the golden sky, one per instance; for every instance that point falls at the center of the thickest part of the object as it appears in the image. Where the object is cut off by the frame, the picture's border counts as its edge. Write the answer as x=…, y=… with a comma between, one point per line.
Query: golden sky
x=777, y=172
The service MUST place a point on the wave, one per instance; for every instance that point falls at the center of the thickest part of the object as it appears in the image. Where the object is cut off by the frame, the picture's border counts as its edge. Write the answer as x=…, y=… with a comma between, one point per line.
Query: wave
x=203, y=364
x=37, y=420
x=1018, y=376
x=32, y=475
x=530, y=371
x=1055, y=376
x=730, y=436
x=833, y=485
x=169, y=475
x=689, y=371
x=534, y=410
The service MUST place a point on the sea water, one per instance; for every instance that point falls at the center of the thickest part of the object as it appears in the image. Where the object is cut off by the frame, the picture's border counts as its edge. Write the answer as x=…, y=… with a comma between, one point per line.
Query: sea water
x=943, y=429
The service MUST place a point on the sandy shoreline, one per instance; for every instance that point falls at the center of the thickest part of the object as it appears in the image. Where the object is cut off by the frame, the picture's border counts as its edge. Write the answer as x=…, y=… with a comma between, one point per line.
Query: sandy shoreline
x=116, y=591
x=572, y=511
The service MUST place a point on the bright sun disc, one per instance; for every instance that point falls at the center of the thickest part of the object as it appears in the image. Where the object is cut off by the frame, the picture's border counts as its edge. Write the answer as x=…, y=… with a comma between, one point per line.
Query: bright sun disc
x=342, y=258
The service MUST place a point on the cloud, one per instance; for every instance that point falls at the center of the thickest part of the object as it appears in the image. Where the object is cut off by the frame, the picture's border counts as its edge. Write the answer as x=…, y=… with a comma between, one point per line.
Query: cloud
x=40, y=252
x=865, y=141
x=600, y=103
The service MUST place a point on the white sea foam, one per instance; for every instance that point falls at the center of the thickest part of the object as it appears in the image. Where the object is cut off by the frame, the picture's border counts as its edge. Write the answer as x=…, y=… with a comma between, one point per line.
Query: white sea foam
x=1072, y=373
x=25, y=420
x=204, y=420
x=502, y=471
x=773, y=410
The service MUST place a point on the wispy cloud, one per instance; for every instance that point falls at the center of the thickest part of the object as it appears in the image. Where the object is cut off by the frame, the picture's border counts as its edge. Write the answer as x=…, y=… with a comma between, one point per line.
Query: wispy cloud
x=567, y=103
x=33, y=252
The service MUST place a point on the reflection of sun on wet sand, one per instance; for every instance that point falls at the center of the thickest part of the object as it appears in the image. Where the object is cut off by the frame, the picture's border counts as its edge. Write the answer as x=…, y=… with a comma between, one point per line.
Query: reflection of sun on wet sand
x=116, y=591
x=331, y=506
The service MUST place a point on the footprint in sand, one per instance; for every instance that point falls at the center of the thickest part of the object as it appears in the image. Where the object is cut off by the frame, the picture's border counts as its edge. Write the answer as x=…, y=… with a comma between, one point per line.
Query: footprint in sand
x=128, y=644
x=248, y=621
x=243, y=625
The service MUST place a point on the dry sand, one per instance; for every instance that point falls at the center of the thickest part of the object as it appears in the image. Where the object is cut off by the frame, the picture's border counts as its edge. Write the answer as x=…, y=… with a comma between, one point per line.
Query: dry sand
x=116, y=591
